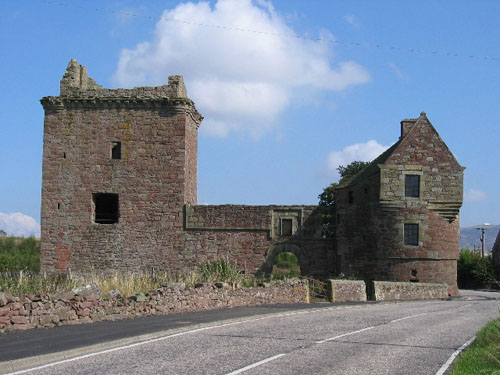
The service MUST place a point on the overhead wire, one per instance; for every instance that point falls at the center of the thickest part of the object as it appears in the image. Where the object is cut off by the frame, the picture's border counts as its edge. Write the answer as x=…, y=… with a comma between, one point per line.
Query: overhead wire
x=266, y=33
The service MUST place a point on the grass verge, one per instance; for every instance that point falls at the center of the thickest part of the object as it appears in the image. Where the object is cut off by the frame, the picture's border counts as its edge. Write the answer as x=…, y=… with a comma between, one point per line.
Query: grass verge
x=483, y=356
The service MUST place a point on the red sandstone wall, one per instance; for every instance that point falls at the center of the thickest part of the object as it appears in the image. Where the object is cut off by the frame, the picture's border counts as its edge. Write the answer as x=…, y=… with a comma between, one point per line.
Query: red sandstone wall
x=150, y=180
x=370, y=230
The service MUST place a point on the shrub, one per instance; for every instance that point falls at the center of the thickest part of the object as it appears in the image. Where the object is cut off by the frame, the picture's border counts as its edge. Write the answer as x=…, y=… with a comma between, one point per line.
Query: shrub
x=285, y=266
x=473, y=271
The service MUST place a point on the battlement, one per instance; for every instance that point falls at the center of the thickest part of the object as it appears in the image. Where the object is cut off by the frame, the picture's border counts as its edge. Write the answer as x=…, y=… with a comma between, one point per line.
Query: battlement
x=77, y=84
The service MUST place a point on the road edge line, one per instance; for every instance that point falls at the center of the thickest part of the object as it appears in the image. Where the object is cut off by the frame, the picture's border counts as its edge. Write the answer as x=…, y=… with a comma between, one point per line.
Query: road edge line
x=450, y=360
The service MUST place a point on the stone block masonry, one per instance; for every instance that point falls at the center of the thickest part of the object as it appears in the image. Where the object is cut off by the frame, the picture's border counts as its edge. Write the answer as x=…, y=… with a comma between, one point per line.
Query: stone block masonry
x=84, y=306
x=119, y=192
x=392, y=291
x=347, y=290
x=119, y=189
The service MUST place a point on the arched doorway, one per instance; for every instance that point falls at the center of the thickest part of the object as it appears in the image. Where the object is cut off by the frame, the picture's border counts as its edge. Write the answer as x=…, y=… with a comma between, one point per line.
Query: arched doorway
x=285, y=265
x=284, y=254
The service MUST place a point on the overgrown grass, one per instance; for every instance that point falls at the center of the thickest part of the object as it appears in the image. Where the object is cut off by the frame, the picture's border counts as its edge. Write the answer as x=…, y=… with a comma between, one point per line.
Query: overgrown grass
x=18, y=254
x=483, y=356
x=219, y=270
x=22, y=283
x=19, y=283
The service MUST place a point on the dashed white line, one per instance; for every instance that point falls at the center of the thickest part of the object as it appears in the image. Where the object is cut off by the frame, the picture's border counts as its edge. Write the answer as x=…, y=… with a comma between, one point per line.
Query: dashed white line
x=243, y=369
x=171, y=336
x=450, y=360
x=407, y=317
x=345, y=334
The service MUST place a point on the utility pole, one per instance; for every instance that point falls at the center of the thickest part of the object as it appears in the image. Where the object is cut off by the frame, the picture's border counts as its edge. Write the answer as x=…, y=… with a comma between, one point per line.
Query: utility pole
x=482, y=238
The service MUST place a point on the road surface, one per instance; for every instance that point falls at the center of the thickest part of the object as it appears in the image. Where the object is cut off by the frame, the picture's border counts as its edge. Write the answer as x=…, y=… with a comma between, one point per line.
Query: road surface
x=375, y=338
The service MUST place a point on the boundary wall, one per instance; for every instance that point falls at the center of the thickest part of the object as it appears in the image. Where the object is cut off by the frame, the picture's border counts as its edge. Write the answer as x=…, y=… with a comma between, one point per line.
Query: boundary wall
x=87, y=305
x=388, y=291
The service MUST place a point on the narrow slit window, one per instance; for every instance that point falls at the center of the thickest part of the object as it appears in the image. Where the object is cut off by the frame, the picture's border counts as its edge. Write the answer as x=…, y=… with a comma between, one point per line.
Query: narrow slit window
x=286, y=227
x=351, y=197
x=411, y=234
x=106, y=208
x=412, y=185
x=116, y=150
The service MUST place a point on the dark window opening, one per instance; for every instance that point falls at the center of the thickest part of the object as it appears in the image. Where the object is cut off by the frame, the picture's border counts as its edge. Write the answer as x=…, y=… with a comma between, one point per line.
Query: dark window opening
x=106, y=208
x=351, y=197
x=59, y=206
x=366, y=190
x=411, y=234
x=286, y=227
x=412, y=185
x=116, y=150
x=64, y=155
x=414, y=273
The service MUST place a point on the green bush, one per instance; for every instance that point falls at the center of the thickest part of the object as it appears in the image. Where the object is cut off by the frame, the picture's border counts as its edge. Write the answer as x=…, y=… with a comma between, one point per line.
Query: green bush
x=286, y=259
x=474, y=271
x=18, y=254
x=285, y=266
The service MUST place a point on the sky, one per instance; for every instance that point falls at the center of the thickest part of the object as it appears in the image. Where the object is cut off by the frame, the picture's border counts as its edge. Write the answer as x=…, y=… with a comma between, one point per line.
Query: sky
x=289, y=89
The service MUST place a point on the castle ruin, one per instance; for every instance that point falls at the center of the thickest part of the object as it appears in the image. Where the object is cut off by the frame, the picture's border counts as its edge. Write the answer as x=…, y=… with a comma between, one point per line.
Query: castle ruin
x=119, y=192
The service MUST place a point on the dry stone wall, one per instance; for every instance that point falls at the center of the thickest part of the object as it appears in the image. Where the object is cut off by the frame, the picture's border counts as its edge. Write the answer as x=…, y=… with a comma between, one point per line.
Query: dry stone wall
x=86, y=305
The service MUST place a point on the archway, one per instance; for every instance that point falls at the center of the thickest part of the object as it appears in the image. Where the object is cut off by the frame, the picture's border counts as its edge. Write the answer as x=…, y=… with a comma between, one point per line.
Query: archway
x=293, y=255
x=285, y=265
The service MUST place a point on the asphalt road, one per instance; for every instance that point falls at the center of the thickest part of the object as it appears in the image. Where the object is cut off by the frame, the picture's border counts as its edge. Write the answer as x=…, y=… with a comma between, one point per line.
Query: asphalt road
x=383, y=338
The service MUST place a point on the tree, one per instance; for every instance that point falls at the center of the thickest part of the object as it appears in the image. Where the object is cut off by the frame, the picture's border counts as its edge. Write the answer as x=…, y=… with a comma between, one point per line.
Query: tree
x=3, y=233
x=327, y=197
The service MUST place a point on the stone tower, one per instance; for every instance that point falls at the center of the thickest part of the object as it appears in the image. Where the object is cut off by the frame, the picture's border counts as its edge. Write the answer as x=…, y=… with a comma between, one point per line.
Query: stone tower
x=118, y=167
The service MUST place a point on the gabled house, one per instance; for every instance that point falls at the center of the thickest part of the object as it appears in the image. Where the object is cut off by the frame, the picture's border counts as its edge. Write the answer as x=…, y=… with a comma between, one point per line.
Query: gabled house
x=398, y=219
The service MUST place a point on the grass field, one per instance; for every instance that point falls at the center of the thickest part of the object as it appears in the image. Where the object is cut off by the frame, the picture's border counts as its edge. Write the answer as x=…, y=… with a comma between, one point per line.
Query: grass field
x=483, y=356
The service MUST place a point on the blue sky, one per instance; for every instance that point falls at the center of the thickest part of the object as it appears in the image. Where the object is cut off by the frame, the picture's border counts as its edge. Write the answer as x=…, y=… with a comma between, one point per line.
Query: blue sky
x=289, y=89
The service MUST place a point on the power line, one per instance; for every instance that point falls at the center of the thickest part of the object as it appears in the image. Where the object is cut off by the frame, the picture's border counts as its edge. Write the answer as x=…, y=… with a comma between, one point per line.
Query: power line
x=265, y=33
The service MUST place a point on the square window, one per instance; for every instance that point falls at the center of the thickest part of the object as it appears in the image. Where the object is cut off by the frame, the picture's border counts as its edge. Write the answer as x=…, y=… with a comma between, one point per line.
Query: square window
x=412, y=185
x=116, y=150
x=106, y=208
x=286, y=227
x=411, y=234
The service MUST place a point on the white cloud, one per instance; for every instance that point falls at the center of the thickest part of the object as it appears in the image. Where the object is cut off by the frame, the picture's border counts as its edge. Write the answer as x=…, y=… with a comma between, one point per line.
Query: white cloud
x=475, y=195
x=18, y=224
x=367, y=151
x=240, y=80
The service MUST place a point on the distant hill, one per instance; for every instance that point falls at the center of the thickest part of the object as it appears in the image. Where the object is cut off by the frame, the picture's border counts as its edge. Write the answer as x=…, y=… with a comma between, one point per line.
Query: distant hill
x=469, y=236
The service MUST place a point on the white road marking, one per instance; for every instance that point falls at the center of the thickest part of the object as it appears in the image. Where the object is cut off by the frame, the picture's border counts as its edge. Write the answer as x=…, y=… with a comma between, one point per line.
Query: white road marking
x=243, y=369
x=450, y=360
x=173, y=335
x=345, y=334
x=407, y=317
